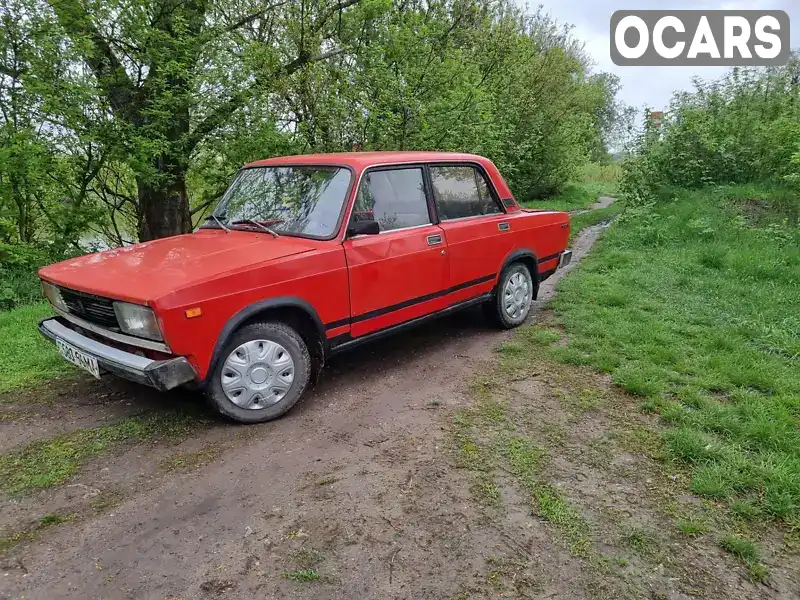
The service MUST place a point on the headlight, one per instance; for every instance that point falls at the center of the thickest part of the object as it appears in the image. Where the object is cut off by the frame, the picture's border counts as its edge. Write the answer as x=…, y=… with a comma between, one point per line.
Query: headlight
x=53, y=295
x=137, y=320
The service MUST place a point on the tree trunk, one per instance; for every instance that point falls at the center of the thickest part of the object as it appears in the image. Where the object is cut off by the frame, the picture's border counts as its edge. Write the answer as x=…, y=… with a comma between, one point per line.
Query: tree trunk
x=163, y=209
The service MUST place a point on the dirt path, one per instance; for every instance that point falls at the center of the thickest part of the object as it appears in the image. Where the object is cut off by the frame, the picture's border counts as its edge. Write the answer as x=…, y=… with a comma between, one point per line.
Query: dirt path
x=358, y=493
x=602, y=202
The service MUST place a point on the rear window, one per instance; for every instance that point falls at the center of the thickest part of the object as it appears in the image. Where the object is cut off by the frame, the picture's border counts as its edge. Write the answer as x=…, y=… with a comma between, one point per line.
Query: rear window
x=461, y=191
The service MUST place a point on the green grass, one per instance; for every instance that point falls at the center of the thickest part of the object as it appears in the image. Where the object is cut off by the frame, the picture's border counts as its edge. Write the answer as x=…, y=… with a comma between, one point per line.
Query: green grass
x=595, y=180
x=593, y=217
x=27, y=358
x=692, y=526
x=575, y=196
x=7, y=542
x=748, y=553
x=696, y=310
x=302, y=575
x=51, y=462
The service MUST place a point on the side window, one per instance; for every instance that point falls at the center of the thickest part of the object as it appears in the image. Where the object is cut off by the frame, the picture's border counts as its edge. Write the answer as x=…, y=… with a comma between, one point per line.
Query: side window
x=461, y=192
x=395, y=198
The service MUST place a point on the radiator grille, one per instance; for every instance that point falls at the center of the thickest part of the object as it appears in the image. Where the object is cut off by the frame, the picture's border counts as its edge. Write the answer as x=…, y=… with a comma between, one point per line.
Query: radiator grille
x=94, y=309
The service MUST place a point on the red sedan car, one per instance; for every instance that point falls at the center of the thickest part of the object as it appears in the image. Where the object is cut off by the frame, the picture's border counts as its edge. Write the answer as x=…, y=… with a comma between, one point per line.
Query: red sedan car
x=305, y=256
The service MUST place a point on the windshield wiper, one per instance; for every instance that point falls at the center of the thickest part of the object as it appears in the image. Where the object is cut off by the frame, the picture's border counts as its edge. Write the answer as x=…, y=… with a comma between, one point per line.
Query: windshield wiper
x=218, y=222
x=257, y=224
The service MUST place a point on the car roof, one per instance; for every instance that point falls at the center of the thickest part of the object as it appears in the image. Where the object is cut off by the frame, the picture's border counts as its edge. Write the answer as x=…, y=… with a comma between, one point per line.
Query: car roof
x=368, y=159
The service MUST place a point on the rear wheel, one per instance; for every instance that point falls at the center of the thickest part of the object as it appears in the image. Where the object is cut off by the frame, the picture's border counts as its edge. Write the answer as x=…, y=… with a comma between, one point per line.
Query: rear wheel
x=514, y=297
x=262, y=372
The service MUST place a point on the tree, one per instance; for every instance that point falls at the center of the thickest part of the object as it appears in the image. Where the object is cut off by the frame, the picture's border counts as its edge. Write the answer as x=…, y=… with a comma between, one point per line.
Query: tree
x=169, y=73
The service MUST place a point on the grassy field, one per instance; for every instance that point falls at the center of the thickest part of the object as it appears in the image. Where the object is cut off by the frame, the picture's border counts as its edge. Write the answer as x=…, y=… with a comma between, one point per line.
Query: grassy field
x=596, y=180
x=27, y=358
x=694, y=306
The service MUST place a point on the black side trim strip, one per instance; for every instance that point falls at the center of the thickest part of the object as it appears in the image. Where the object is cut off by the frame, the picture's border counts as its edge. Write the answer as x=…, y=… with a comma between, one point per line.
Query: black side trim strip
x=551, y=257
x=387, y=309
x=345, y=341
x=382, y=311
x=339, y=323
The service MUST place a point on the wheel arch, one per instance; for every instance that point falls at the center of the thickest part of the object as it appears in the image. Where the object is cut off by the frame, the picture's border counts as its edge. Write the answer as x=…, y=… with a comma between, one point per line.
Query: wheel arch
x=529, y=259
x=293, y=311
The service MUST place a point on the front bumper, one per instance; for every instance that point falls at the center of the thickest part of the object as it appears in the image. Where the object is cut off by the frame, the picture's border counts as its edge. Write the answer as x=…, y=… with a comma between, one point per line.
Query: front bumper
x=565, y=258
x=160, y=374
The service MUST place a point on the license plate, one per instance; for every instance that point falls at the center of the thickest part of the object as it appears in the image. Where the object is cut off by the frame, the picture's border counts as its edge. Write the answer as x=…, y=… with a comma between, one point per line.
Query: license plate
x=76, y=357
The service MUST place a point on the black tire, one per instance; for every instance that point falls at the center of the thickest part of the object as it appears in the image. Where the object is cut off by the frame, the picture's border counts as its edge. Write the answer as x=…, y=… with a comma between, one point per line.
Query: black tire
x=298, y=351
x=494, y=309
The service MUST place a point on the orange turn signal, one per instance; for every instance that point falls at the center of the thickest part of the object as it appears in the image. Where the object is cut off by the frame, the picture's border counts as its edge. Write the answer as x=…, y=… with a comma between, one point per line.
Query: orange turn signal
x=191, y=313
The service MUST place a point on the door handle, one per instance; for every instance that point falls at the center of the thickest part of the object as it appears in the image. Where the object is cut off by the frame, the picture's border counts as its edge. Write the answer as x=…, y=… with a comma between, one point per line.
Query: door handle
x=503, y=226
x=434, y=240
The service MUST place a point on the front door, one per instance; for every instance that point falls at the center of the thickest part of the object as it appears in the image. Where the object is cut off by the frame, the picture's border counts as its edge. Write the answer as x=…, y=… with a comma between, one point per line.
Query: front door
x=402, y=272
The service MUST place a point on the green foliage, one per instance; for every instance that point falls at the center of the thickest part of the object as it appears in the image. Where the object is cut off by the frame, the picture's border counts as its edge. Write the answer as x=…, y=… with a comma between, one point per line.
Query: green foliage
x=302, y=575
x=27, y=358
x=693, y=305
x=748, y=553
x=18, y=265
x=126, y=119
x=742, y=128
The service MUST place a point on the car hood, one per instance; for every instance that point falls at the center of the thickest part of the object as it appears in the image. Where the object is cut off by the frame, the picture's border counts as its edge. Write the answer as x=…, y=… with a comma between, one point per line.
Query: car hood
x=143, y=272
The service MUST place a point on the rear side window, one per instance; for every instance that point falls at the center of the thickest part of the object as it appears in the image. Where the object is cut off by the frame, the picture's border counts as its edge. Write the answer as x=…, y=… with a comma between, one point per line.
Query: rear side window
x=461, y=192
x=395, y=198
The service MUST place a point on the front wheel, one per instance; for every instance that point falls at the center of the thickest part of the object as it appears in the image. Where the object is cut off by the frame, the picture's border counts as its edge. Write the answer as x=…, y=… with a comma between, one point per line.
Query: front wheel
x=263, y=370
x=514, y=297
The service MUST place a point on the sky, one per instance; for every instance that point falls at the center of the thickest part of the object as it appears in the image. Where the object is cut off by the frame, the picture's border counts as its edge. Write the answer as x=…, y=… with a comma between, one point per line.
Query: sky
x=651, y=86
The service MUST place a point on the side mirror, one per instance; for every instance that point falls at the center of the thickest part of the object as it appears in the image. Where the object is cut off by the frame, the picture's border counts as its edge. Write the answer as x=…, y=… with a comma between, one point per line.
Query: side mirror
x=363, y=228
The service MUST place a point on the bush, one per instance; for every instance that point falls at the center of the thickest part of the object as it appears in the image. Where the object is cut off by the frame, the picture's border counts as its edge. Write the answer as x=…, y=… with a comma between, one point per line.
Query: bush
x=18, y=266
x=742, y=128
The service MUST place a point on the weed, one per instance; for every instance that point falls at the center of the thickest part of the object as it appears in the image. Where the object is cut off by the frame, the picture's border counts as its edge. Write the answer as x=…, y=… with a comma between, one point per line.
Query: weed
x=566, y=519
x=525, y=458
x=692, y=526
x=54, y=519
x=742, y=548
x=485, y=490
x=302, y=575
x=641, y=540
x=327, y=480
x=758, y=572
x=186, y=461
x=51, y=462
x=51, y=520
x=746, y=551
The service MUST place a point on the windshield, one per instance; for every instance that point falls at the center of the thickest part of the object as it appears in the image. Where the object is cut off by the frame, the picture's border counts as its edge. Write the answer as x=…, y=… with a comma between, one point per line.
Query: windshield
x=287, y=200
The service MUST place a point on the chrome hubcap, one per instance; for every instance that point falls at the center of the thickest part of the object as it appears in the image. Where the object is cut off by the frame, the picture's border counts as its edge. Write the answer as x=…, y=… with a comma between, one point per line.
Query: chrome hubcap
x=257, y=374
x=517, y=296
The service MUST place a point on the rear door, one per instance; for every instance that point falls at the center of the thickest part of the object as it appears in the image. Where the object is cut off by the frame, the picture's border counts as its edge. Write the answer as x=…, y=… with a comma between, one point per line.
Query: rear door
x=477, y=229
x=401, y=273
